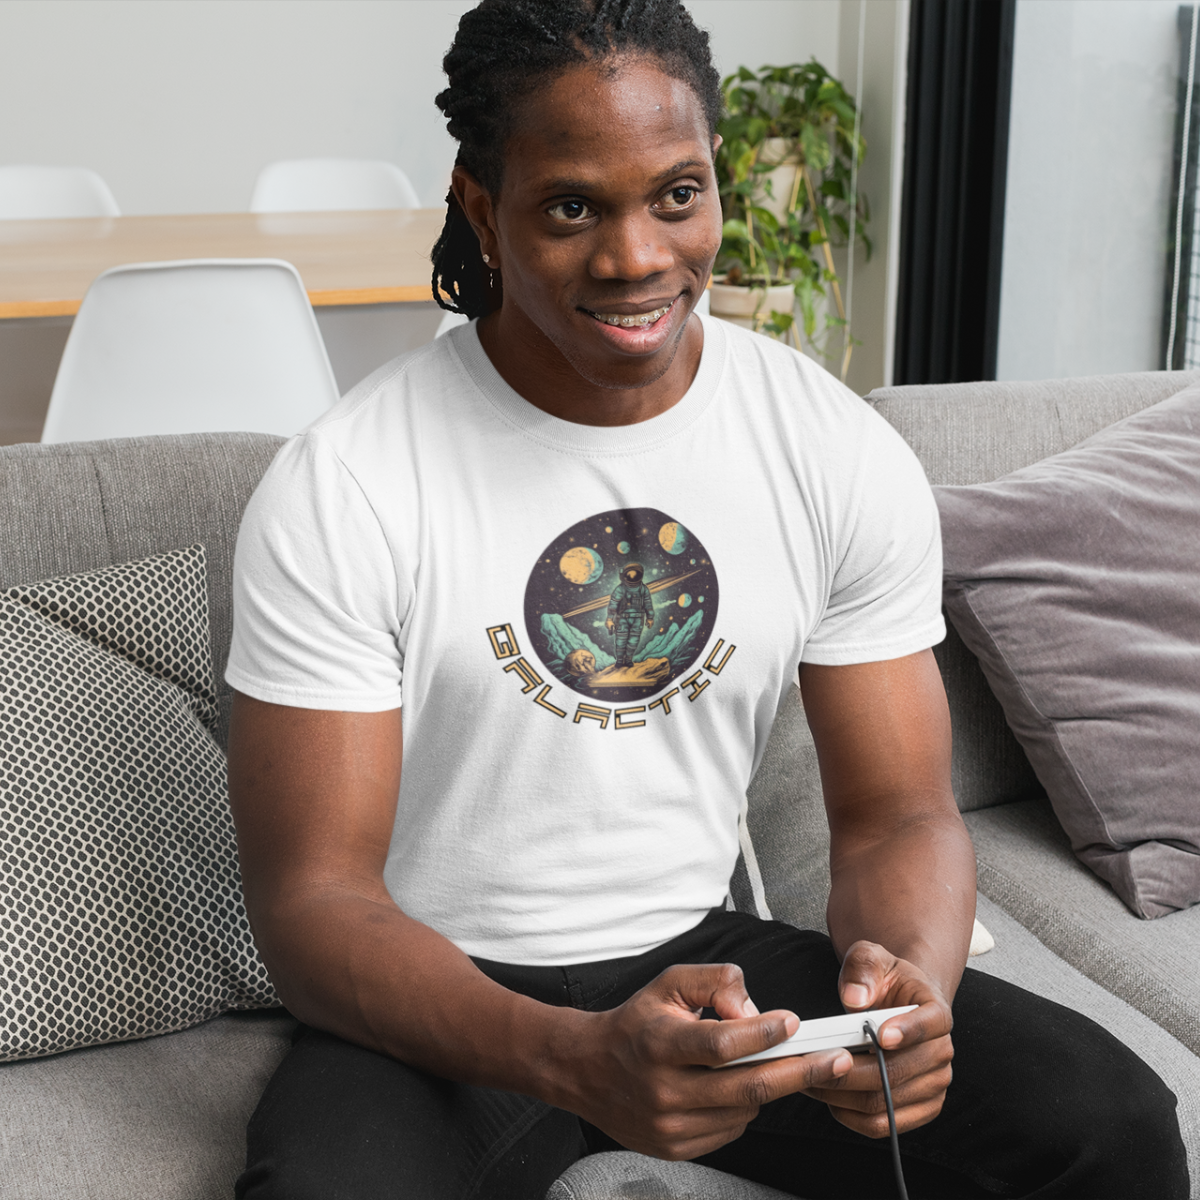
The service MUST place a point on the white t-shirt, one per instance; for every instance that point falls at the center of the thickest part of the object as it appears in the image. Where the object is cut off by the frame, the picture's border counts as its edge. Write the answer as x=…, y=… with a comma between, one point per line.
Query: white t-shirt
x=572, y=788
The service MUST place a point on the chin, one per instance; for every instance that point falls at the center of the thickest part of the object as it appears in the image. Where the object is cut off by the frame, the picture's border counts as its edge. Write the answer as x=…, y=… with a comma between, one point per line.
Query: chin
x=624, y=373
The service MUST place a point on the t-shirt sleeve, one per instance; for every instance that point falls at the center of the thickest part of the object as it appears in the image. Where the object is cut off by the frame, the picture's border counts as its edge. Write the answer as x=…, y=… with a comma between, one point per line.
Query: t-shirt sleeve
x=886, y=595
x=318, y=607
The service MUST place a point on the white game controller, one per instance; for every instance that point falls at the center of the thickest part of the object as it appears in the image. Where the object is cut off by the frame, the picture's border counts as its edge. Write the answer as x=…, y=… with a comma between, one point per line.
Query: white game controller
x=826, y=1033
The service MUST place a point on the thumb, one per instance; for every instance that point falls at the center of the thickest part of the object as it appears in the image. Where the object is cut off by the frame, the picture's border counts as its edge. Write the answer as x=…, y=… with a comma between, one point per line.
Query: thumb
x=719, y=986
x=863, y=975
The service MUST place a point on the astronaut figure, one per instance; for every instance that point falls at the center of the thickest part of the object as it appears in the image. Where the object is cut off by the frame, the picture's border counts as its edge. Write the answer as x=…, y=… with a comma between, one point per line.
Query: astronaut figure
x=628, y=607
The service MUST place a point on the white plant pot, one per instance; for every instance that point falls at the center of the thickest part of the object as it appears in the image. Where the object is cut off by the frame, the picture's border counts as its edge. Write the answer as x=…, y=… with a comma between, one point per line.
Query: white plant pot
x=780, y=153
x=750, y=307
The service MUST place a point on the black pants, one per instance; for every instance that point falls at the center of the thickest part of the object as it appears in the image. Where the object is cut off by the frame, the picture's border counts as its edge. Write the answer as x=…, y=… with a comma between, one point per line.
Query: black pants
x=1044, y=1102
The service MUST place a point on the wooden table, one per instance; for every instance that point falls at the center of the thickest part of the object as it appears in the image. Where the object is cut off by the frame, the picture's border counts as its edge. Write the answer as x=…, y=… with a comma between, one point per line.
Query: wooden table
x=343, y=258
x=366, y=273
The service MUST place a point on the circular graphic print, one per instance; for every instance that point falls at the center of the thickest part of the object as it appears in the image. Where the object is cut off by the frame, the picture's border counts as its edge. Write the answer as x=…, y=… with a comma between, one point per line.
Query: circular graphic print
x=614, y=609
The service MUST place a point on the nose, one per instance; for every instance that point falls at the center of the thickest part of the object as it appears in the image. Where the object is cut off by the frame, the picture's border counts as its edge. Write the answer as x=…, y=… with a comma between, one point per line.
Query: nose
x=631, y=247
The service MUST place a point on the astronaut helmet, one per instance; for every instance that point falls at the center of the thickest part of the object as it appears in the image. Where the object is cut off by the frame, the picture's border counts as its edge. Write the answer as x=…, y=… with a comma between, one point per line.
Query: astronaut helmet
x=632, y=573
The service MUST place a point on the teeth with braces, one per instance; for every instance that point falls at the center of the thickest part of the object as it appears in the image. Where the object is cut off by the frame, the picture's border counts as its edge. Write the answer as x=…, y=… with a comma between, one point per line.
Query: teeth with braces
x=634, y=321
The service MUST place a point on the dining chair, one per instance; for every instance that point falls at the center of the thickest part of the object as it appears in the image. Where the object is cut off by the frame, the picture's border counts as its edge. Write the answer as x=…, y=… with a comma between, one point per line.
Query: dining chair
x=331, y=185
x=30, y=192
x=206, y=345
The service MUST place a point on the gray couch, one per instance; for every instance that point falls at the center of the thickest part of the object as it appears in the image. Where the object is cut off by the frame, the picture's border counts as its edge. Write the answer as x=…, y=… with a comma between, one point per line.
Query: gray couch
x=164, y=1118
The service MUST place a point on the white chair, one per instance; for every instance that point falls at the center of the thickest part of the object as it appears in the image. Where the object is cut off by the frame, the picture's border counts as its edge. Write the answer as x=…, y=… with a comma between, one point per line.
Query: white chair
x=203, y=346
x=30, y=193
x=331, y=185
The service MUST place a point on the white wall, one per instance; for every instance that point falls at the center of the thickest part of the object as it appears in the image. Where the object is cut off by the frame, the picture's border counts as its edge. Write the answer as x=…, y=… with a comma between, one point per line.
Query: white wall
x=178, y=103
x=871, y=294
x=1089, y=187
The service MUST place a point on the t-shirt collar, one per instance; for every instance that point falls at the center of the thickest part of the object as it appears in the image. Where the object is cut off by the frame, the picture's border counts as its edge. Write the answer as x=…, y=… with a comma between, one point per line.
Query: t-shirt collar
x=595, y=439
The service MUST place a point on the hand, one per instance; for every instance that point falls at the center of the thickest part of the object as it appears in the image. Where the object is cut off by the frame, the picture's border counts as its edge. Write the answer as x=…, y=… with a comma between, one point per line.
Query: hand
x=646, y=1078
x=609, y=624
x=649, y=622
x=918, y=1045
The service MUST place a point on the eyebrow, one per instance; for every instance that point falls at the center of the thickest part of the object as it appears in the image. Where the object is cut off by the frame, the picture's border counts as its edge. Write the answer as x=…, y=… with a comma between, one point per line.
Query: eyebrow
x=584, y=185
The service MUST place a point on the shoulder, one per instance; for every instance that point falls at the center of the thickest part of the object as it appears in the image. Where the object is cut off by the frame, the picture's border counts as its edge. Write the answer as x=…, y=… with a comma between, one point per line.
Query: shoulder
x=801, y=404
x=376, y=426
x=775, y=374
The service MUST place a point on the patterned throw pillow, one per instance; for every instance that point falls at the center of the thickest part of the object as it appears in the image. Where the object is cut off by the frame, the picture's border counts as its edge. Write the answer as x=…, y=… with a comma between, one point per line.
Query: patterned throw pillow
x=121, y=911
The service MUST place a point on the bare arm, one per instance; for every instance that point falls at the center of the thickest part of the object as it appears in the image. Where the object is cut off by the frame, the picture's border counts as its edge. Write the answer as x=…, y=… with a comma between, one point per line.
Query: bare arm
x=902, y=899
x=314, y=799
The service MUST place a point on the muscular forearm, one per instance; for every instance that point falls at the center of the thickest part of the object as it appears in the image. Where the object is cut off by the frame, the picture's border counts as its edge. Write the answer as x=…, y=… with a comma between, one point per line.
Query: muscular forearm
x=912, y=892
x=354, y=964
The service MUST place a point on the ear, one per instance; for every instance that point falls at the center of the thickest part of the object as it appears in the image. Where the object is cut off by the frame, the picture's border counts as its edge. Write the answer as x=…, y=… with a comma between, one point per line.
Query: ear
x=475, y=201
x=716, y=145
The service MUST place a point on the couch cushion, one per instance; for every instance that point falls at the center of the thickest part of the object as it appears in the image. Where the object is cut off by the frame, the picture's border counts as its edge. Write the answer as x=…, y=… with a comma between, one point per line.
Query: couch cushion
x=973, y=432
x=623, y=1175
x=1026, y=866
x=78, y=506
x=120, y=897
x=1075, y=582
x=160, y=1119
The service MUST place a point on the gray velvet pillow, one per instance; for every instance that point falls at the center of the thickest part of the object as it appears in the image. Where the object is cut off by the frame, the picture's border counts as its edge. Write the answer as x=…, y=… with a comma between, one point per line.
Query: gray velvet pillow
x=1076, y=583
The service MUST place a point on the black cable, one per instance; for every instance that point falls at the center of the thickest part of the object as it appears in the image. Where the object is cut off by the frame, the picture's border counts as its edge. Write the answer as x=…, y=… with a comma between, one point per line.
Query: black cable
x=869, y=1030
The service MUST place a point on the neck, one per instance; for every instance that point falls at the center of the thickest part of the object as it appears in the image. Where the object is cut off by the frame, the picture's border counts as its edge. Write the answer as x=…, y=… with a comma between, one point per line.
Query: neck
x=539, y=372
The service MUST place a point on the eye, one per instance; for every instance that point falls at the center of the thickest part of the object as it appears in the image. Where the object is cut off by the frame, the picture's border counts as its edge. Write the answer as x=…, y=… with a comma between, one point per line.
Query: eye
x=570, y=211
x=679, y=197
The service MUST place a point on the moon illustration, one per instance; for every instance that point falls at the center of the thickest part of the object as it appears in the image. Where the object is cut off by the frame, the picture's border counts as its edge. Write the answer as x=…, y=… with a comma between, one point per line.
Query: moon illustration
x=581, y=565
x=622, y=547
x=580, y=662
x=684, y=600
x=672, y=537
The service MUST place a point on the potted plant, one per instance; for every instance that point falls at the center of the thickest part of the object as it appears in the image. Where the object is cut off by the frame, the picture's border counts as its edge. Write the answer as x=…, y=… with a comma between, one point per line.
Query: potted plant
x=787, y=168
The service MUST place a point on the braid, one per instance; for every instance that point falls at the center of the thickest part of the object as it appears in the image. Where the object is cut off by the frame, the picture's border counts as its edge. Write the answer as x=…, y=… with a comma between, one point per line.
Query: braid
x=503, y=51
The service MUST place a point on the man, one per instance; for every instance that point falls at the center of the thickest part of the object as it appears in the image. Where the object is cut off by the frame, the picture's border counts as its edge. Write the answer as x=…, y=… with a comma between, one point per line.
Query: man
x=515, y=950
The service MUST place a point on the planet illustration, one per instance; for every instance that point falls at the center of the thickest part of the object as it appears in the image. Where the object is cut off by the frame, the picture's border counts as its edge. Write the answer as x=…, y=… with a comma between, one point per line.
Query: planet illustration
x=608, y=529
x=685, y=600
x=622, y=547
x=672, y=537
x=581, y=565
x=580, y=662
x=699, y=599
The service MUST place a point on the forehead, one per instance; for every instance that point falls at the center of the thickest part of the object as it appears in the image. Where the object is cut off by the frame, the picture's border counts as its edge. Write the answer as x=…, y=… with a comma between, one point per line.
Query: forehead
x=620, y=115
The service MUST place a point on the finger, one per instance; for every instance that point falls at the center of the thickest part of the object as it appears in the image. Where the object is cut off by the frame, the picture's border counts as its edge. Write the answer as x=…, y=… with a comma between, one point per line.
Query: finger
x=715, y=1043
x=756, y=1084
x=918, y=1090
x=876, y=1125
x=903, y=1065
x=719, y=986
x=864, y=974
x=691, y=1146
x=930, y=1021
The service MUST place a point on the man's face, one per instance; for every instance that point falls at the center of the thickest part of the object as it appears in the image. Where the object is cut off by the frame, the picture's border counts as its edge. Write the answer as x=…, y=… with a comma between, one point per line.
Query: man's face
x=608, y=218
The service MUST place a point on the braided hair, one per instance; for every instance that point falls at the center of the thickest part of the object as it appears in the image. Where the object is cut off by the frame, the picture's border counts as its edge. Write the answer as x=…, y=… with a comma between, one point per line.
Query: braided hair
x=505, y=50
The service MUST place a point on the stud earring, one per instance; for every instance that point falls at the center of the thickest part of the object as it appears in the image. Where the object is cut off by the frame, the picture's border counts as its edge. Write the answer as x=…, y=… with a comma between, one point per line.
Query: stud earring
x=487, y=258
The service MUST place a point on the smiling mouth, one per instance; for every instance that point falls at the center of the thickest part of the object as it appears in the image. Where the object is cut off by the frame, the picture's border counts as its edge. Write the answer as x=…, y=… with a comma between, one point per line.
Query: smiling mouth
x=634, y=321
